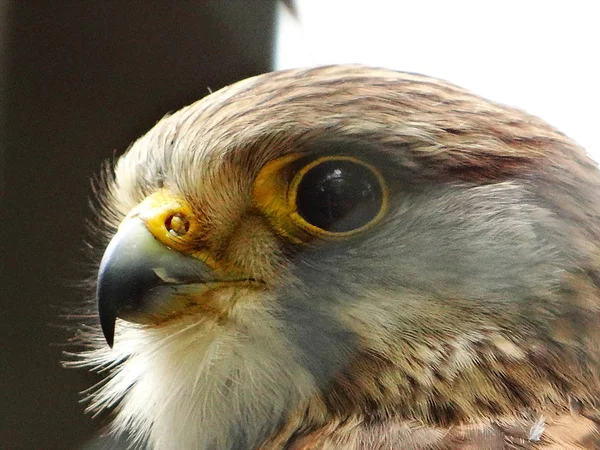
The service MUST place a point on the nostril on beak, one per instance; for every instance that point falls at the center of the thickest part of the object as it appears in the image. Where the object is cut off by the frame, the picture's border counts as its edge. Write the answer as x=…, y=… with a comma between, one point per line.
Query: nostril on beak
x=177, y=225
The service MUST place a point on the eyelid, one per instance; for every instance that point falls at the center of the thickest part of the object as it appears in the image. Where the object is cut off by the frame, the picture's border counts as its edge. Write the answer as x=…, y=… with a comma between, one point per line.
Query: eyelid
x=270, y=194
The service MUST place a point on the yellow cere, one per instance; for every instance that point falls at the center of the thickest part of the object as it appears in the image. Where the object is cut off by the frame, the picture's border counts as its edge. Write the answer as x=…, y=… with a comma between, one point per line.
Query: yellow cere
x=170, y=219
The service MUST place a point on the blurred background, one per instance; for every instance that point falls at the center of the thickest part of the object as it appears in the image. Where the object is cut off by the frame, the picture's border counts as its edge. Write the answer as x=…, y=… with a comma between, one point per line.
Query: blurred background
x=80, y=80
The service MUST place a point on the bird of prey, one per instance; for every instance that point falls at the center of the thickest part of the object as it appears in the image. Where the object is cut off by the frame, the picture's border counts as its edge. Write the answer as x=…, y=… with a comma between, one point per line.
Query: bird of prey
x=348, y=257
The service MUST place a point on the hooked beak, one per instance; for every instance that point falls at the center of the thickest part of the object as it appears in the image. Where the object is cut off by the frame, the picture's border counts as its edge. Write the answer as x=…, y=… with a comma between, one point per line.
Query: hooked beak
x=139, y=277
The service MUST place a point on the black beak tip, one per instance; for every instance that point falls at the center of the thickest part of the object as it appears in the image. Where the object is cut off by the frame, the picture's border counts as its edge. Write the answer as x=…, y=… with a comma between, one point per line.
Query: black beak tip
x=107, y=322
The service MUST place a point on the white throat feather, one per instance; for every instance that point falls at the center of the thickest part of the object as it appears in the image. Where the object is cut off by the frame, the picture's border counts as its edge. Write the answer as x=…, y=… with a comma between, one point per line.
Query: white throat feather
x=200, y=384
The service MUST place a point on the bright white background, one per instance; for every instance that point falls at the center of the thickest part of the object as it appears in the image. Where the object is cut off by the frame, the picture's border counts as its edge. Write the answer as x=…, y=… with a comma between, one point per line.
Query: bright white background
x=540, y=56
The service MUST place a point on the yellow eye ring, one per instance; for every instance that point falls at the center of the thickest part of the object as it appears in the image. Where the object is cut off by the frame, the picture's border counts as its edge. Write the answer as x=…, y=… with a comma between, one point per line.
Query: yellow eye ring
x=331, y=197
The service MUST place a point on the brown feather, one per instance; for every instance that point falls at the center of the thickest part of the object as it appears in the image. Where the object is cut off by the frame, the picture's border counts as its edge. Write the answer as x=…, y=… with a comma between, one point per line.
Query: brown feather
x=460, y=372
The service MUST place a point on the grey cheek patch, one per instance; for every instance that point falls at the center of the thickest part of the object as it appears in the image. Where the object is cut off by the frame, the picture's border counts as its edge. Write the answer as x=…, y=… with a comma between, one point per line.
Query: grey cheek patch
x=312, y=326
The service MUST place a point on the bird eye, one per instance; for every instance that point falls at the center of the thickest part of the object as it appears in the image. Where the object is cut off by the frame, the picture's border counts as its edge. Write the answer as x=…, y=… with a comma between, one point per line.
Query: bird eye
x=338, y=194
x=331, y=197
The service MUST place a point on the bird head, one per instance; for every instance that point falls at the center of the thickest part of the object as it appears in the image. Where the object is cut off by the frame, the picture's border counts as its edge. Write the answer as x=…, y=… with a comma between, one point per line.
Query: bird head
x=320, y=245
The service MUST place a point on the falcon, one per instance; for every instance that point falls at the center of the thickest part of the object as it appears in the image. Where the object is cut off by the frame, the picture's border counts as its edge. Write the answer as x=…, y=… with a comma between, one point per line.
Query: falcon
x=352, y=258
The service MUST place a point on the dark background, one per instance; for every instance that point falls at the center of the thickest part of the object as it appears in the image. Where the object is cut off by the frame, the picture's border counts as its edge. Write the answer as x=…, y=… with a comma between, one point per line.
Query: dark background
x=80, y=80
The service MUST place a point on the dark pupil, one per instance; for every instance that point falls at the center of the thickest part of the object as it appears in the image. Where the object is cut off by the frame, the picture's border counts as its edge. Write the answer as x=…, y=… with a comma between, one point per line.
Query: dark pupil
x=339, y=195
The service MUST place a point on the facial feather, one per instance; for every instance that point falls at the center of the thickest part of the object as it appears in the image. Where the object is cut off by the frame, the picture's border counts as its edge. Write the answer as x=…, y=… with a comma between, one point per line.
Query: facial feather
x=462, y=306
x=201, y=384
